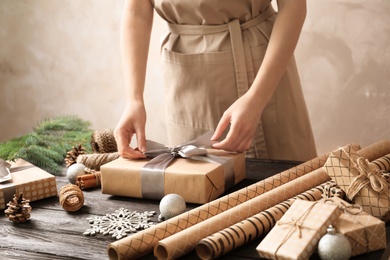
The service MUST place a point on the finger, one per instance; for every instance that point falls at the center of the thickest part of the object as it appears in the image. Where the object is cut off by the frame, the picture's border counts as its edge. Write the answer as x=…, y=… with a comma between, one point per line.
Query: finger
x=222, y=125
x=123, y=139
x=141, y=140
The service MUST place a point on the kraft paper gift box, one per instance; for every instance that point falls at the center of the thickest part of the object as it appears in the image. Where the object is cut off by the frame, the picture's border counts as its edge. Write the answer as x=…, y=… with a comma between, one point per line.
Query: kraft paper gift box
x=363, y=182
x=29, y=180
x=296, y=234
x=194, y=180
x=366, y=233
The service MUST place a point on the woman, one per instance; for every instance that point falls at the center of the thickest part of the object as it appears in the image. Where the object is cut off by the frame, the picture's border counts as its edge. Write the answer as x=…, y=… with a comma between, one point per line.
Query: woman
x=228, y=66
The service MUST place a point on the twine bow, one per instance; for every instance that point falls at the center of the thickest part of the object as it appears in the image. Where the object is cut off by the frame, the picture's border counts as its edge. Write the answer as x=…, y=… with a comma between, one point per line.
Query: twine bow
x=368, y=175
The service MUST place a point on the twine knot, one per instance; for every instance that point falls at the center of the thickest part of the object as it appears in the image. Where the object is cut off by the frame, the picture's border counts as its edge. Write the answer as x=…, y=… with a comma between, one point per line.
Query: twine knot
x=295, y=224
x=368, y=175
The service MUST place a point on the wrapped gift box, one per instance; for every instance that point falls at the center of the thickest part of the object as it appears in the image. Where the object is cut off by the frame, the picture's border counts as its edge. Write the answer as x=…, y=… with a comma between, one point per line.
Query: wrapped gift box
x=195, y=180
x=29, y=180
x=296, y=234
x=365, y=232
x=358, y=178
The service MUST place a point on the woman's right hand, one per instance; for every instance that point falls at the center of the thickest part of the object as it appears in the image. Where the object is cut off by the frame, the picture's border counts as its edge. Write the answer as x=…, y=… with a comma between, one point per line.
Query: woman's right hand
x=132, y=122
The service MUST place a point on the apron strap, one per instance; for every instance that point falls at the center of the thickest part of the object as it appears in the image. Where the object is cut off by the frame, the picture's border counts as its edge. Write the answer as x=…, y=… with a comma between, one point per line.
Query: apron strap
x=238, y=51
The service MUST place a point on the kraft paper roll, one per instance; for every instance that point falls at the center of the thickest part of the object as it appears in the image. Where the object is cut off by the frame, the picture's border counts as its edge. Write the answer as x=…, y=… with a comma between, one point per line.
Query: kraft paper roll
x=143, y=242
x=254, y=227
x=185, y=241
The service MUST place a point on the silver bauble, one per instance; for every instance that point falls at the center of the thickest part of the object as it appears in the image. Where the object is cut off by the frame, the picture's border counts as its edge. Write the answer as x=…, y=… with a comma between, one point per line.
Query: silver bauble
x=171, y=205
x=334, y=246
x=75, y=170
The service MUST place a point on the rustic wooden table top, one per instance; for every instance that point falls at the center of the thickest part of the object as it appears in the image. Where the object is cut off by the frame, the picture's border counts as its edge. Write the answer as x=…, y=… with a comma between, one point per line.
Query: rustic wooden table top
x=53, y=233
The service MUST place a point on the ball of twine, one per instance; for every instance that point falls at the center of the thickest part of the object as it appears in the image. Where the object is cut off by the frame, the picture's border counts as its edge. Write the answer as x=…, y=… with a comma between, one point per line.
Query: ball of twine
x=103, y=141
x=71, y=197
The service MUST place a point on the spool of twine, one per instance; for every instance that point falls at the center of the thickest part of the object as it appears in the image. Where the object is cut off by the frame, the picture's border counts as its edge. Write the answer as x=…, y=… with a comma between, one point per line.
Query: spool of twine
x=103, y=141
x=71, y=197
x=95, y=160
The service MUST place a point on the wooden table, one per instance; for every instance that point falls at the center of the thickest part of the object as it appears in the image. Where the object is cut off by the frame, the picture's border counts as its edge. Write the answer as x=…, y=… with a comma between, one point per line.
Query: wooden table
x=53, y=233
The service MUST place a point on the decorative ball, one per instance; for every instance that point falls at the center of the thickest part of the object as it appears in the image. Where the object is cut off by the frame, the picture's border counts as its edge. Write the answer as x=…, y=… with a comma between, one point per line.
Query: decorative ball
x=334, y=246
x=74, y=171
x=171, y=205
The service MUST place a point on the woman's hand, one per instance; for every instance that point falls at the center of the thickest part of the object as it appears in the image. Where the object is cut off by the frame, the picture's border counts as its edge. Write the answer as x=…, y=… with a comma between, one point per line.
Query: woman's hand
x=132, y=122
x=136, y=26
x=244, y=114
x=243, y=117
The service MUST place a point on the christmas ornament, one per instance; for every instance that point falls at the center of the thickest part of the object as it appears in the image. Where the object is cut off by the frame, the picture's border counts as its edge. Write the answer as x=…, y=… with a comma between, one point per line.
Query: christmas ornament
x=71, y=156
x=171, y=205
x=74, y=170
x=119, y=224
x=334, y=246
x=18, y=209
x=71, y=197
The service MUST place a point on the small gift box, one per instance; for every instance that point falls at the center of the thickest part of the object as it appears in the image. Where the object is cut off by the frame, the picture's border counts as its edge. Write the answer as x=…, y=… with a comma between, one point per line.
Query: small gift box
x=197, y=175
x=296, y=234
x=365, y=232
x=363, y=182
x=29, y=180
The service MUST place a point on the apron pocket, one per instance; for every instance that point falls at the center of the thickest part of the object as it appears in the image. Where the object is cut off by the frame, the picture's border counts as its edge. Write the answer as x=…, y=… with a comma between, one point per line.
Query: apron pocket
x=199, y=87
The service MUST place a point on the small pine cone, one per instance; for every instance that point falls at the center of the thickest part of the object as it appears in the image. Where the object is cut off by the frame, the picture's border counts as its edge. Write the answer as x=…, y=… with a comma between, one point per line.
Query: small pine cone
x=18, y=209
x=72, y=155
x=103, y=141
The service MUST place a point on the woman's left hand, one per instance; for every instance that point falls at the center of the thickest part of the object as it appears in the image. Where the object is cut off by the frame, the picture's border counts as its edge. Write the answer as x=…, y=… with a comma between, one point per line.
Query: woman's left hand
x=243, y=116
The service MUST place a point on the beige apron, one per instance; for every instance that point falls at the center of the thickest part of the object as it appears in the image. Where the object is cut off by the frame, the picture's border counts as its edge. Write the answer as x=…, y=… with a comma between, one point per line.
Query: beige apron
x=211, y=54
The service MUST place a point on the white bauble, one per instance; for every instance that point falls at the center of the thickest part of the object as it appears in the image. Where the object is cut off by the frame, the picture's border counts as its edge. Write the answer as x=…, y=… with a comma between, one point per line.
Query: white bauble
x=75, y=170
x=171, y=205
x=334, y=246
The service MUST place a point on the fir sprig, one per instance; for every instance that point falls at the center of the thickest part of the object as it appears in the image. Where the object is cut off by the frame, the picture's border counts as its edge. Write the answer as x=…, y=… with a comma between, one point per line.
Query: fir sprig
x=47, y=145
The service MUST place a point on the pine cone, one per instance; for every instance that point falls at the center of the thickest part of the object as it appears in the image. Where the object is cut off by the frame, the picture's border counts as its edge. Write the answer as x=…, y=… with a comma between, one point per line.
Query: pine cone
x=18, y=209
x=72, y=155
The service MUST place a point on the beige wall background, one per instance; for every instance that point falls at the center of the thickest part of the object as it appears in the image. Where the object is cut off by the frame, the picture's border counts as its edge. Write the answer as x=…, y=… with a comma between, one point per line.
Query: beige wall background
x=63, y=57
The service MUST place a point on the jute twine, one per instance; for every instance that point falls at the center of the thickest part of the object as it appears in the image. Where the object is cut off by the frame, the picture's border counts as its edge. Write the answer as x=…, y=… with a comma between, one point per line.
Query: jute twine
x=71, y=197
x=94, y=161
x=103, y=141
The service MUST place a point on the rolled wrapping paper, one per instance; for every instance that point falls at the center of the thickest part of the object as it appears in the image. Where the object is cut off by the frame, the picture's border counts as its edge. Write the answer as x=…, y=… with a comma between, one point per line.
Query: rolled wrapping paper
x=185, y=241
x=254, y=227
x=143, y=242
x=383, y=163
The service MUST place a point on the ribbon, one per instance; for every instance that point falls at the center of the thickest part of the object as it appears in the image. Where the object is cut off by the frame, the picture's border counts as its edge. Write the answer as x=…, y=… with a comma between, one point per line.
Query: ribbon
x=368, y=175
x=5, y=174
x=152, y=174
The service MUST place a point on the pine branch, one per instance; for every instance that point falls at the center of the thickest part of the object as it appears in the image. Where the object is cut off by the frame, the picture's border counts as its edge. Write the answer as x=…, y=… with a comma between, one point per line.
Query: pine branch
x=47, y=145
